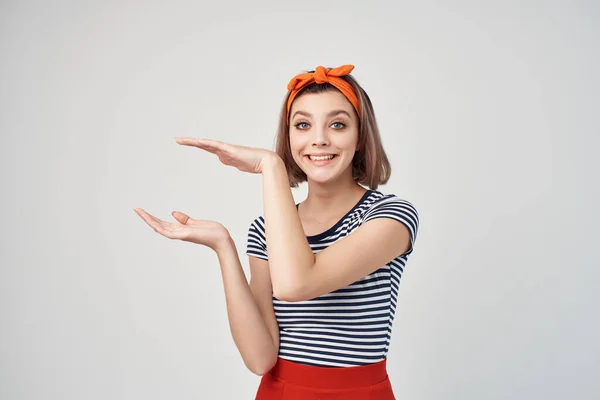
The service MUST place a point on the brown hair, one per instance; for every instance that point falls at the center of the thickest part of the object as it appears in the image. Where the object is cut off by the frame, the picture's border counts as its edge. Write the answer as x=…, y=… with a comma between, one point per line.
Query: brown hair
x=370, y=165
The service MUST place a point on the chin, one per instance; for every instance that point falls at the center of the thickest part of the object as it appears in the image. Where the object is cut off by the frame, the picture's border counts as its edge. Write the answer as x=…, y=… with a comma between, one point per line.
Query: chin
x=323, y=177
x=321, y=180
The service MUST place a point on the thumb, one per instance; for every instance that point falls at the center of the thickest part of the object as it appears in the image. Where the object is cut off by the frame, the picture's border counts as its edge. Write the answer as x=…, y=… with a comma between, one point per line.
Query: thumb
x=181, y=217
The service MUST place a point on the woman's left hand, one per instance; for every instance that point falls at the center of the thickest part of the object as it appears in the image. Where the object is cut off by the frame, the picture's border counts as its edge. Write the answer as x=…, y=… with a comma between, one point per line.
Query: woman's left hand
x=246, y=159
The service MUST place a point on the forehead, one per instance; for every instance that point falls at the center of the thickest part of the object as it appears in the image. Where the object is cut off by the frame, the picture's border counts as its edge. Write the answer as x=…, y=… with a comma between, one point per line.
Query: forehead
x=321, y=103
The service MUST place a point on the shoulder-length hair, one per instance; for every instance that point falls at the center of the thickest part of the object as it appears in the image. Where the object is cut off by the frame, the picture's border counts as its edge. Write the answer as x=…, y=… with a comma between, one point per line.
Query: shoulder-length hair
x=370, y=165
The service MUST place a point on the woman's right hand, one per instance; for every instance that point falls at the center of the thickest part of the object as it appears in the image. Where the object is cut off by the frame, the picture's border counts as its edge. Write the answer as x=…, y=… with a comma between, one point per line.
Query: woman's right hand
x=207, y=233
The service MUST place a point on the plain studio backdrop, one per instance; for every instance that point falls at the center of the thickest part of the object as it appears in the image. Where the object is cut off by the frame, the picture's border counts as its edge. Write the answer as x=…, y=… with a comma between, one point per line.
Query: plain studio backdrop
x=488, y=112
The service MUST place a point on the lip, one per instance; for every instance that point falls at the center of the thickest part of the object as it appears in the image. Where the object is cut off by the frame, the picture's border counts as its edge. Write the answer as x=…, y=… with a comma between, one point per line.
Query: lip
x=322, y=162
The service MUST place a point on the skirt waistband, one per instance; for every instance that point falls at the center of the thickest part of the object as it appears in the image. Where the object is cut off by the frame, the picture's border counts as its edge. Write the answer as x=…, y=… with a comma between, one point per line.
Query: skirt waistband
x=329, y=378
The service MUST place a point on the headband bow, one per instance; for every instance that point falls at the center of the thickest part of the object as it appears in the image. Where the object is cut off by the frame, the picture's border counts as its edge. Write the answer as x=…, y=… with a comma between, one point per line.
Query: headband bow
x=323, y=75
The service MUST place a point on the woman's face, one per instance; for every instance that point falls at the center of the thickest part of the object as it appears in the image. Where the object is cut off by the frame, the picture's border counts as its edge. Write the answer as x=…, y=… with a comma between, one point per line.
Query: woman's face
x=323, y=123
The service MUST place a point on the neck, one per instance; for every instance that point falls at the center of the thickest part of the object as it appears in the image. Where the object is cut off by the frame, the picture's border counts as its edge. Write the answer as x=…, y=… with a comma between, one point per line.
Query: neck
x=324, y=200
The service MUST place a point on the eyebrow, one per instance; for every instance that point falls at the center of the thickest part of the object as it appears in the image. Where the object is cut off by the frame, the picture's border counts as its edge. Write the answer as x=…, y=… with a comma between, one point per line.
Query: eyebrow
x=332, y=113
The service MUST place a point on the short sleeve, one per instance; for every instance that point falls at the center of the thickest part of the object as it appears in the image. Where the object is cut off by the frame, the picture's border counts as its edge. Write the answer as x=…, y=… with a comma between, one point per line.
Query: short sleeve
x=400, y=210
x=257, y=243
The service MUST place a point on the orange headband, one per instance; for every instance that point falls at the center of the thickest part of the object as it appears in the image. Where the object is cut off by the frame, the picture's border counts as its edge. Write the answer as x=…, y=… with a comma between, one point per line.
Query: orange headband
x=323, y=75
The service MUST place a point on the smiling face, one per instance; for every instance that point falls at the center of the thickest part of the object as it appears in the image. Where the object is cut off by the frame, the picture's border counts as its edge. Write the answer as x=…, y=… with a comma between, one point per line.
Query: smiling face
x=323, y=124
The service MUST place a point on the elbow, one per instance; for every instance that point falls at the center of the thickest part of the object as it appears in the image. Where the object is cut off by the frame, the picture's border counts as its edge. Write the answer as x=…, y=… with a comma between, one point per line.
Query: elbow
x=260, y=371
x=263, y=366
x=290, y=294
x=295, y=288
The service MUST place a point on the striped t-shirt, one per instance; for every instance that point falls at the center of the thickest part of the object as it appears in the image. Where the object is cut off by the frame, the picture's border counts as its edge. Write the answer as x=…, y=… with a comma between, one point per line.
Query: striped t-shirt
x=353, y=325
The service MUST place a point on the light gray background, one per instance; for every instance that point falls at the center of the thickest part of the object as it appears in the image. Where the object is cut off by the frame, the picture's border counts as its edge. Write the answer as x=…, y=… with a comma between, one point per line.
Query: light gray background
x=488, y=112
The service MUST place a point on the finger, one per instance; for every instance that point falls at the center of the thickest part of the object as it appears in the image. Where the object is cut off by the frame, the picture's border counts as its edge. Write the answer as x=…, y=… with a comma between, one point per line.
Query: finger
x=205, y=144
x=181, y=217
x=193, y=141
x=156, y=222
x=147, y=217
x=161, y=227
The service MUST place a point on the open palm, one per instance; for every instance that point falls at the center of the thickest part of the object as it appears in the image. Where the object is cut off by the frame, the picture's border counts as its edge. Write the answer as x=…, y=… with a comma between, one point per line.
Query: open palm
x=207, y=233
x=244, y=158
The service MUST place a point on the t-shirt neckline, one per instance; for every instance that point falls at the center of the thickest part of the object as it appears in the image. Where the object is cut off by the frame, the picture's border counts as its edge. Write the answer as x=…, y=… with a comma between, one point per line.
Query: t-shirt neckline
x=326, y=233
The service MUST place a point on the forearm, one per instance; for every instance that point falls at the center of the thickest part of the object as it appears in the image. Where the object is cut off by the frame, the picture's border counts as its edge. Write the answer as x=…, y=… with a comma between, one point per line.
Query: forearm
x=248, y=328
x=290, y=255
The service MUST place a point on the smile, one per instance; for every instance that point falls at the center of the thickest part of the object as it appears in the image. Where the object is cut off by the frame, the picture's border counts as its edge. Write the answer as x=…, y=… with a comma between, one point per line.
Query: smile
x=321, y=160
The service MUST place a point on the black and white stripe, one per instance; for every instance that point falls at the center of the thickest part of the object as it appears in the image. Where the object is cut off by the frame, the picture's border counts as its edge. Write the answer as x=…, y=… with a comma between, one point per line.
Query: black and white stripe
x=350, y=326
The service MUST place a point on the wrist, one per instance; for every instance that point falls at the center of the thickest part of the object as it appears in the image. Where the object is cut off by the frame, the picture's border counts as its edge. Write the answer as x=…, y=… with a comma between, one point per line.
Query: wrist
x=224, y=245
x=271, y=161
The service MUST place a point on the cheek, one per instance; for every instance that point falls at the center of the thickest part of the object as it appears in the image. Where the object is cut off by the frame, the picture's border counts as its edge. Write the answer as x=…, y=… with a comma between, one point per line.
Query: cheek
x=296, y=148
x=348, y=142
x=296, y=143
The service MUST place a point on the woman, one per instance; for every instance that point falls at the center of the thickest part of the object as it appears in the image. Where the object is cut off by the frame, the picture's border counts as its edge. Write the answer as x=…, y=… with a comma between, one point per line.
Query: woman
x=315, y=320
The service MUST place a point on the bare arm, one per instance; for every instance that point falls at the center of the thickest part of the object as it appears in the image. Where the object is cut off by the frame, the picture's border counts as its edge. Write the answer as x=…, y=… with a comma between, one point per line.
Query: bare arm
x=297, y=273
x=251, y=334
x=290, y=255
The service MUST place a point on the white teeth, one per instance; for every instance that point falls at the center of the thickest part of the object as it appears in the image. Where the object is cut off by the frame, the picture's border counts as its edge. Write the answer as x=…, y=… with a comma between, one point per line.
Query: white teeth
x=321, y=158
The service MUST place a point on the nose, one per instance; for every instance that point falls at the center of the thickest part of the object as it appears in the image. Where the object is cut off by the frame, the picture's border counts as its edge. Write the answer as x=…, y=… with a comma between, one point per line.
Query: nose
x=320, y=137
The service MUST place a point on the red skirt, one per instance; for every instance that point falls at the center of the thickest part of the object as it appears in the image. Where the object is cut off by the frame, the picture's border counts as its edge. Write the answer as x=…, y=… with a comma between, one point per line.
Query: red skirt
x=288, y=380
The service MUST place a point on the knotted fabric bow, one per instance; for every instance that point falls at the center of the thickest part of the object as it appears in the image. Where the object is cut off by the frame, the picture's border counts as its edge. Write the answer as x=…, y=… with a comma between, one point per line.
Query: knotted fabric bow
x=323, y=75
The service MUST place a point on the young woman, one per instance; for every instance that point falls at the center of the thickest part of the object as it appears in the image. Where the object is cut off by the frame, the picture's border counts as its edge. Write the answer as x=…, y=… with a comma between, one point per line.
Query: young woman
x=316, y=319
